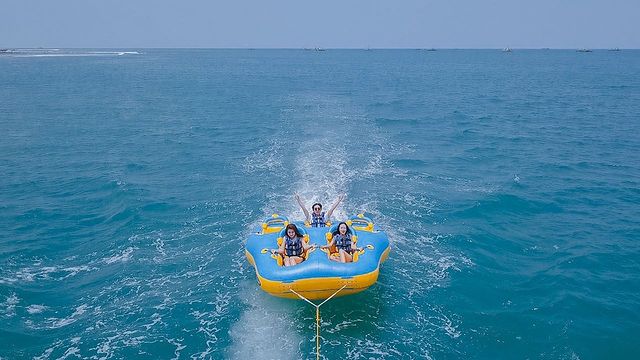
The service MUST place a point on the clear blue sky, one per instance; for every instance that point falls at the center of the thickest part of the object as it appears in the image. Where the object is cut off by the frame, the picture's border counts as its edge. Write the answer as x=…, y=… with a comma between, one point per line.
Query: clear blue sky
x=322, y=23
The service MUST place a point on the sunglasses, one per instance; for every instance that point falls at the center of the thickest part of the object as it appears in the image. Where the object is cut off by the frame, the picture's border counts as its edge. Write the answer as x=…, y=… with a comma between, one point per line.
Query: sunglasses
x=317, y=208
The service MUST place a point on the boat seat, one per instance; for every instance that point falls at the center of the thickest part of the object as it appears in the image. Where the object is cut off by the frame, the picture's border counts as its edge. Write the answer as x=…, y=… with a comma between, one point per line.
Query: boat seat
x=333, y=252
x=360, y=222
x=274, y=224
x=305, y=237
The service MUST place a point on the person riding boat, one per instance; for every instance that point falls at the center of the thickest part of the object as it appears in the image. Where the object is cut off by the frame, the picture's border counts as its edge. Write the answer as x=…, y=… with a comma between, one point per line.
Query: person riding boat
x=342, y=241
x=292, y=247
x=318, y=218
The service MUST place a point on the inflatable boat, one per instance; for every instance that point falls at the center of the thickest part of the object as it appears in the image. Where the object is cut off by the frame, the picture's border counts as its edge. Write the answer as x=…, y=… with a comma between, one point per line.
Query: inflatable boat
x=319, y=275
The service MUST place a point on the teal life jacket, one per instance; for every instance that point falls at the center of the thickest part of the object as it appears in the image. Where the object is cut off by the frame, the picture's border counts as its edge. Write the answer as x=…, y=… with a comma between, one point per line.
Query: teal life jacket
x=293, y=247
x=343, y=242
x=318, y=220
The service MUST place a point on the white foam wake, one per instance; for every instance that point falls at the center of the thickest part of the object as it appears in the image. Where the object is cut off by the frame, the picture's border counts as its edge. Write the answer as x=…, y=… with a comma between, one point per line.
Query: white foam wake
x=267, y=329
x=317, y=169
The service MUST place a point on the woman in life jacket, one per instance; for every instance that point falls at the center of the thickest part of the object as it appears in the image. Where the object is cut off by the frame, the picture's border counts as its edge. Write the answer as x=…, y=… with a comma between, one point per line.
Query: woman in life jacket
x=318, y=218
x=292, y=247
x=342, y=241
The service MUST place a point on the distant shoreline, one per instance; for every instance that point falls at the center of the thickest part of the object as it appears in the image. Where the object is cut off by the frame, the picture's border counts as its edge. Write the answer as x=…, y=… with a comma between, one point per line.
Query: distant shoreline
x=34, y=49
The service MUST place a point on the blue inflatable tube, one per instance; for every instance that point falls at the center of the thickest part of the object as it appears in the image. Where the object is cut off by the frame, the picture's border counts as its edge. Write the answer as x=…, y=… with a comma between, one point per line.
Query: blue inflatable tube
x=317, y=277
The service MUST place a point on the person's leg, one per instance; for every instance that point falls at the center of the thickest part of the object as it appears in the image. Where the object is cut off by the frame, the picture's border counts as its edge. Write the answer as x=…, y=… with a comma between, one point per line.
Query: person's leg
x=348, y=257
x=343, y=256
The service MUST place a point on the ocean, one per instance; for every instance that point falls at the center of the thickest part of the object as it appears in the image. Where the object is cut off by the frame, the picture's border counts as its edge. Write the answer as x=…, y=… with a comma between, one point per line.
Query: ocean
x=508, y=183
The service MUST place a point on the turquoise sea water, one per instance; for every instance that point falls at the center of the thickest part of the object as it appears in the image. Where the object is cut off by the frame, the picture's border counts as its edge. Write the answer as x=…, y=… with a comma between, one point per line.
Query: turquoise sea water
x=509, y=185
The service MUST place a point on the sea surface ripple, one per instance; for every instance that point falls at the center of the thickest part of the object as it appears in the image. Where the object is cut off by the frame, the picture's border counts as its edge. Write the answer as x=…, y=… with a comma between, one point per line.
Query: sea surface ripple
x=509, y=185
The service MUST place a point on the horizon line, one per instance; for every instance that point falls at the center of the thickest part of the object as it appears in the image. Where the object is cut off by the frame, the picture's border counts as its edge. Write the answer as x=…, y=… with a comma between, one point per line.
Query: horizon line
x=315, y=48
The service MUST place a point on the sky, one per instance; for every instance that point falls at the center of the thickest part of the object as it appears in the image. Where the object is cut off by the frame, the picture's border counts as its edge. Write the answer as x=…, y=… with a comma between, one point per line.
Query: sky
x=327, y=23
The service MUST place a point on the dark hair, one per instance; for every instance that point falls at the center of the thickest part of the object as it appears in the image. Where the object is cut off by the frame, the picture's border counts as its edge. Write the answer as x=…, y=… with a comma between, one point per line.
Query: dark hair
x=314, y=205
x=295, y=228
x=338, y=229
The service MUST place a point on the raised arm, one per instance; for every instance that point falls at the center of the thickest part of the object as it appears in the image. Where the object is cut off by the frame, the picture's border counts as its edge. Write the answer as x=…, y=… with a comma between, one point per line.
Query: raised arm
x=334, y=206
x=304, y=209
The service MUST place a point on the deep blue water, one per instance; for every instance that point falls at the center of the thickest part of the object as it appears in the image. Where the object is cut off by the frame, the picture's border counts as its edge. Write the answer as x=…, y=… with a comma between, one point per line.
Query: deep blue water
x=509, y=185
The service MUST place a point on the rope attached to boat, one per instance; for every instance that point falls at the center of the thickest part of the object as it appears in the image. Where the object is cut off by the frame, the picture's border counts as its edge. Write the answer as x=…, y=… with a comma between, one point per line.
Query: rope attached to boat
x=318, y=316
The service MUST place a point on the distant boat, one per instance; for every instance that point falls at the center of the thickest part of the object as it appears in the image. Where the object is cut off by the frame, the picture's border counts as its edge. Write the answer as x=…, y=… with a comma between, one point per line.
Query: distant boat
x=320, y=49
x=614, y=49
x=507, y=49
x=584, y=50
x=432, y=49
